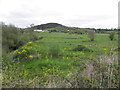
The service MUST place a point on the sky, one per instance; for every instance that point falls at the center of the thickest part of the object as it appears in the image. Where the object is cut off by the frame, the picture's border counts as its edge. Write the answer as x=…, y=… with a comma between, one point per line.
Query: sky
x=74, y=13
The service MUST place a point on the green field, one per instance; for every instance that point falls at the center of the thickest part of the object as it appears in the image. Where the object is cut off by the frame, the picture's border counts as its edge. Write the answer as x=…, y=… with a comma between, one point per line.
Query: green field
x=63, y=60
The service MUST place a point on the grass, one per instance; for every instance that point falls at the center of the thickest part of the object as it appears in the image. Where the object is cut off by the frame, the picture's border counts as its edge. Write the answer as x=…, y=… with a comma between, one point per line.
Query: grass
x=55, y=60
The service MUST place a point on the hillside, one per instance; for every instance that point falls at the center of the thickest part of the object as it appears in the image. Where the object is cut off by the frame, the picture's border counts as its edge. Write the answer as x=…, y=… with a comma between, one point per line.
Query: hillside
x=60, y=27
x=54, y=26
x=49, y=25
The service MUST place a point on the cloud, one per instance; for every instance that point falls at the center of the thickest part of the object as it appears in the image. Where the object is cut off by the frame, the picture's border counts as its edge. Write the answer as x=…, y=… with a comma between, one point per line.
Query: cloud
x=80, y=13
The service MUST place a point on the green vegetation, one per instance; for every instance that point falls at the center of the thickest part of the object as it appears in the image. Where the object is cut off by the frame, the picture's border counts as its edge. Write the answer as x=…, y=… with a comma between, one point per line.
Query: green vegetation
x=14, y=37
x=91, y=35
x=112, y=35
x=63, y=60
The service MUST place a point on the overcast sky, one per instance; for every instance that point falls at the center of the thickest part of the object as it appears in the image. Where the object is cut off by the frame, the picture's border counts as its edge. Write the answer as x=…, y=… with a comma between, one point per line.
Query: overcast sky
x=77, y=13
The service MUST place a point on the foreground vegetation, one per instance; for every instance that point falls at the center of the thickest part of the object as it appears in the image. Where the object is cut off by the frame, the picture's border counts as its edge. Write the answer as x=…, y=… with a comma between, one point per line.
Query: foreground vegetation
x=63, y=60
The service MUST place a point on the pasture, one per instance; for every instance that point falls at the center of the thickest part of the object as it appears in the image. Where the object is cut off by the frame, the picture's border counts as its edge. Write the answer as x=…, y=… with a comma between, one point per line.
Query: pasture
x=62, y=60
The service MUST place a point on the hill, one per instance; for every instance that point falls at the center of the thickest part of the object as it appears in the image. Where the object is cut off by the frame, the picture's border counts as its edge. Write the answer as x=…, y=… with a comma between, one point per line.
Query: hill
x=63, y=28
x=49, y=25
x=54, y=26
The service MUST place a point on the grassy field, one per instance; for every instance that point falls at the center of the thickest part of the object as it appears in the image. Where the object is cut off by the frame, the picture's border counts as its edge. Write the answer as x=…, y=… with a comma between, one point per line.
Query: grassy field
x=62, y=60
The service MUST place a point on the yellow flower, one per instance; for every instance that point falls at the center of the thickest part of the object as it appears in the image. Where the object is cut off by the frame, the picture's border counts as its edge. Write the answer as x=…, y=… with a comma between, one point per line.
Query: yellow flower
x=23, y=51
x=45, y=74
x=30, y=56
x=16, y=51
x=81, y=53
x=65, y=48
x=105, y=49
x=39, y=54
x=67, y=58
x=1, y=76
x=19, y=52
x=48, y=69
x=30, y=42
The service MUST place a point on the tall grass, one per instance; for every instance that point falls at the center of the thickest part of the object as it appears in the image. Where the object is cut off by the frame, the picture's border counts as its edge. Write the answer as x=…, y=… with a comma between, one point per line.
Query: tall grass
x=103, y=73
x=63, y=62
x=54, y=50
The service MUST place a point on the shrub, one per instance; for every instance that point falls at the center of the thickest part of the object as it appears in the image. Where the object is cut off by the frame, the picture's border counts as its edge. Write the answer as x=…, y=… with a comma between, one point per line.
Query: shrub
x=76, y=32
x=112, y=36
x=13, y=37
x=25, y=52
x=82, y=48
x=91, y=35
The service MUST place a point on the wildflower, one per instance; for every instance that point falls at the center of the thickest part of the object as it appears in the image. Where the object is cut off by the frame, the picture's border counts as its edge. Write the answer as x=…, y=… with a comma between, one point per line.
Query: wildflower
x=30, y=42
x=105, y=49
x=23, y=51
x=45, y=74
x=65, y=48
x=30, y=56
x=19, y=52
x=67, y=58
x=48, y=69
x=1, y=76
x=39, y=55
x=47, y=60
x=16, y=51
x=82, y=53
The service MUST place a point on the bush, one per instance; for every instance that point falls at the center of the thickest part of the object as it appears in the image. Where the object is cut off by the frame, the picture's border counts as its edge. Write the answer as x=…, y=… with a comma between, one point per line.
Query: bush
x=91, y=35
x=25, y=52
x=82, y=48
x=112, y=36
x=76, y=32
x=13, y=37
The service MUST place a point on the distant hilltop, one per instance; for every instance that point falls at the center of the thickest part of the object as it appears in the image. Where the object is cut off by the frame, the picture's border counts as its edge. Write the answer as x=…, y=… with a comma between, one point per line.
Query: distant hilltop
x=53, y=26
x=60, y=27
x=48, y=25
